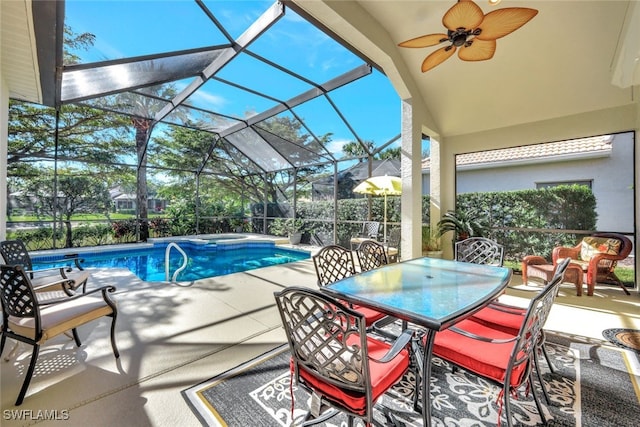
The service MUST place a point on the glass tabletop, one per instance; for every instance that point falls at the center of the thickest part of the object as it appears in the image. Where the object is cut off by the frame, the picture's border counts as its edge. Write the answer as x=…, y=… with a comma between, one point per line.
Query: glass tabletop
x=432, y=292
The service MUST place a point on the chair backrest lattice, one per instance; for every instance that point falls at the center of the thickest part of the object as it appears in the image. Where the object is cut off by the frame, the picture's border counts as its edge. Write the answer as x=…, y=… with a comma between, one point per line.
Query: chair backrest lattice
x=371, y=254
x=371, y=229
x=479, y=250
x=333, y=263
x=394, y=238
x=17, y=296
x=15, y=252
x=536, y=317
x=321, y=334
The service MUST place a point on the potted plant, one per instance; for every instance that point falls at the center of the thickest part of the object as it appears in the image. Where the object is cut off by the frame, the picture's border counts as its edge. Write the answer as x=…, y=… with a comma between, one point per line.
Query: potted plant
x=463, y=224
x=431, y=243
x=290, y=227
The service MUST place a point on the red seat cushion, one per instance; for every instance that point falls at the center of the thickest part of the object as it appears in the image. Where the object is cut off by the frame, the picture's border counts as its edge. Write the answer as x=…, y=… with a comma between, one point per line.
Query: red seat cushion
x=383, y=376
x=370, y=315
x=486, y=359
x=508, y=322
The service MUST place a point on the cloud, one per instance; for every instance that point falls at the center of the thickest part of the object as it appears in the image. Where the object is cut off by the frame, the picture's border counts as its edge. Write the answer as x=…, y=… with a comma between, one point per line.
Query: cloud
x=209, y=99
x=202, y=98
x=336, y=145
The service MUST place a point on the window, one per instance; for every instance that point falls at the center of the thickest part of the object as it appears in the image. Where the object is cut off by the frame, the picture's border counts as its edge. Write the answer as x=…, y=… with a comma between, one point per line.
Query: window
x=586, y=183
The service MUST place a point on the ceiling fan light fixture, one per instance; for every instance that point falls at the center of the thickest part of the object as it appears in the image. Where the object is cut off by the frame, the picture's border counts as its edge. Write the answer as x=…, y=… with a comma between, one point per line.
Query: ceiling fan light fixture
x=469, y=31
x=494, y=2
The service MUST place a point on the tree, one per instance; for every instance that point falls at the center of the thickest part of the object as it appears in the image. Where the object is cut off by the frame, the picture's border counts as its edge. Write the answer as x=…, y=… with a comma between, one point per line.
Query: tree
x=74, y=41
x=390, y=153
x=355, y=149
x=188, y=152
x=77, y=192
x=143, y=109
x=83, y=133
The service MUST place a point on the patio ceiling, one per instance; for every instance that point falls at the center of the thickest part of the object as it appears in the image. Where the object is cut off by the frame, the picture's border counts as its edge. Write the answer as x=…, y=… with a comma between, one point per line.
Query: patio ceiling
x=573, y=57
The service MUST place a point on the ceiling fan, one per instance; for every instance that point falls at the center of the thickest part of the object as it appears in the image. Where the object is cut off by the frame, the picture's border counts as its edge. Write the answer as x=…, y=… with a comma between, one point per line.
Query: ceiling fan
x=471, y=32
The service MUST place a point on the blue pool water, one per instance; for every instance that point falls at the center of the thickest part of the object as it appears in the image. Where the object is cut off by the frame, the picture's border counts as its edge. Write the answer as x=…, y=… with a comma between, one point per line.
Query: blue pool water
x=204, y=260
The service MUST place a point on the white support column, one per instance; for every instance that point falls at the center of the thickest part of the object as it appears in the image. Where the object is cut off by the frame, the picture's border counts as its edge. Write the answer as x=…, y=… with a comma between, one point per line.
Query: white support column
x=636, y=185
x=435, y=180
x=444, y=172
x=411, y=166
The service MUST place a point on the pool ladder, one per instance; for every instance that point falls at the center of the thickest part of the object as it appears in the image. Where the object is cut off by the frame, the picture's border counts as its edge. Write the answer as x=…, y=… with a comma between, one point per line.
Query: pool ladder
x=185, y=260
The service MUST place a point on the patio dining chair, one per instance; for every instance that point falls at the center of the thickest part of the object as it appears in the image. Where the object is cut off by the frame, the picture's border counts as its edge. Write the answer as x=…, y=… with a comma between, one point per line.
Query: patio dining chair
x=344, y=368
x=508, y=318
x=370, y=231
x=500, y=357
x=14, y=252
x=479, y=250
x=371, y=254
x=393, y=245
x=333, y=263
x=34, y=322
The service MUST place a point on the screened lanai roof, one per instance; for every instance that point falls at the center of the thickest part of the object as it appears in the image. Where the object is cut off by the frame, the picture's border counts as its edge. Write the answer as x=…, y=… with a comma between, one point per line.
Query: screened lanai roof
x=230, y=66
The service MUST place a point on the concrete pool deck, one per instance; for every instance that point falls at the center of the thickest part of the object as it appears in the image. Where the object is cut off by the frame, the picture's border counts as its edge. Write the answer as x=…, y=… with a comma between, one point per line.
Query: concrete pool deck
x=172, y=337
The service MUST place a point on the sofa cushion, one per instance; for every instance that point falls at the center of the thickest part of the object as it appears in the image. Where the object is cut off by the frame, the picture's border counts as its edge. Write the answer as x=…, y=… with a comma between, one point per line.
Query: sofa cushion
x=598, y=245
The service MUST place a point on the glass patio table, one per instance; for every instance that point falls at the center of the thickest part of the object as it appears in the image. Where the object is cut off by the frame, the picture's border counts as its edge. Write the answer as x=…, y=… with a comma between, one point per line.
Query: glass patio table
x=429, y=292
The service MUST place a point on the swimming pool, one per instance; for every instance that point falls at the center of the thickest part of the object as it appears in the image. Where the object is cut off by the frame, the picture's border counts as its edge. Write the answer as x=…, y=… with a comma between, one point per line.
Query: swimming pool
x=204, y=260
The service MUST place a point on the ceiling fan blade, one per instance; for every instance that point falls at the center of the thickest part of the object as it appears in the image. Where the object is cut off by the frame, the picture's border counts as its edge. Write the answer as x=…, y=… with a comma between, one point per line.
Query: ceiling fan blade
x=424, y=41
x=437, y=57
x=480, y=50
x=465, y=14
x=501, y=22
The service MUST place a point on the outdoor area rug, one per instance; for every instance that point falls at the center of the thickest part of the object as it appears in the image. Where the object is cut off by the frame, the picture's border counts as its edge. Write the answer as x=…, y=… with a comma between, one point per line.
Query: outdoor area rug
x=593, y=385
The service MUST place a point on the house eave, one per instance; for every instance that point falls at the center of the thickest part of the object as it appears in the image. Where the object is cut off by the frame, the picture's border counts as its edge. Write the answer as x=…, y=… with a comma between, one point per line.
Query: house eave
x=531, y=161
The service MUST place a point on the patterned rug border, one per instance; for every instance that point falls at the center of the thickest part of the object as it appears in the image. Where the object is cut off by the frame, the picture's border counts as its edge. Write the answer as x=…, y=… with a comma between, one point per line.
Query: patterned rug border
x=209, y=416
x=611, y=335
x=199, y=404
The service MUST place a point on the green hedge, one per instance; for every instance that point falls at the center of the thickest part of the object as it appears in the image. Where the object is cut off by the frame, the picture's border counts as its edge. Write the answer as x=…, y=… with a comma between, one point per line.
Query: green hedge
x=557, y=208
x=506, y=213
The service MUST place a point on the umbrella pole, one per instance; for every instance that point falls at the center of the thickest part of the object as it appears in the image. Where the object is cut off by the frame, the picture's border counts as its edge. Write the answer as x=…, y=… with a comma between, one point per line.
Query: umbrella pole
x=385, y=220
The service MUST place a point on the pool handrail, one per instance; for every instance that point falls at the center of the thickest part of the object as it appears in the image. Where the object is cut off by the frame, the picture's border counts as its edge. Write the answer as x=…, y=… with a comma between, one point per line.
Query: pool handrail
x=185, y=261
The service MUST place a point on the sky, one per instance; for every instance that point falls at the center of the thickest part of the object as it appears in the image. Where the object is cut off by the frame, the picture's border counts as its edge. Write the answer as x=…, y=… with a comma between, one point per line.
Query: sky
x=125, y=29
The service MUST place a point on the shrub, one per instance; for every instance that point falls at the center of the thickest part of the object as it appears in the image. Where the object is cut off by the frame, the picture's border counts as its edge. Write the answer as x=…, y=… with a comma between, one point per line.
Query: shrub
x=92, y=235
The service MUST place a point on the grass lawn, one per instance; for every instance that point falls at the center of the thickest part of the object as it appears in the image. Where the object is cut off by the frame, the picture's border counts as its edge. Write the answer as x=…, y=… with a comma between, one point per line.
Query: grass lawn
x=80, y=217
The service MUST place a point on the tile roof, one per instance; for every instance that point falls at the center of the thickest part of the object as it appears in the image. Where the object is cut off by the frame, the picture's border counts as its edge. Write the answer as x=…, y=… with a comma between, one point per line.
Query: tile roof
x=572, y=147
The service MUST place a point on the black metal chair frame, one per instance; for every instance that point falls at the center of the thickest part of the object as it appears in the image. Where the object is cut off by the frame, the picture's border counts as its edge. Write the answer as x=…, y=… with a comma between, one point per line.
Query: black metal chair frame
x=14, y=252
x=540, y=348
x=19, y=301
x=526, y=343
x=371, y=254
x=479, y=250
x=332, y=263
x=370, y=231
x=322, y=334
x=394, y=243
